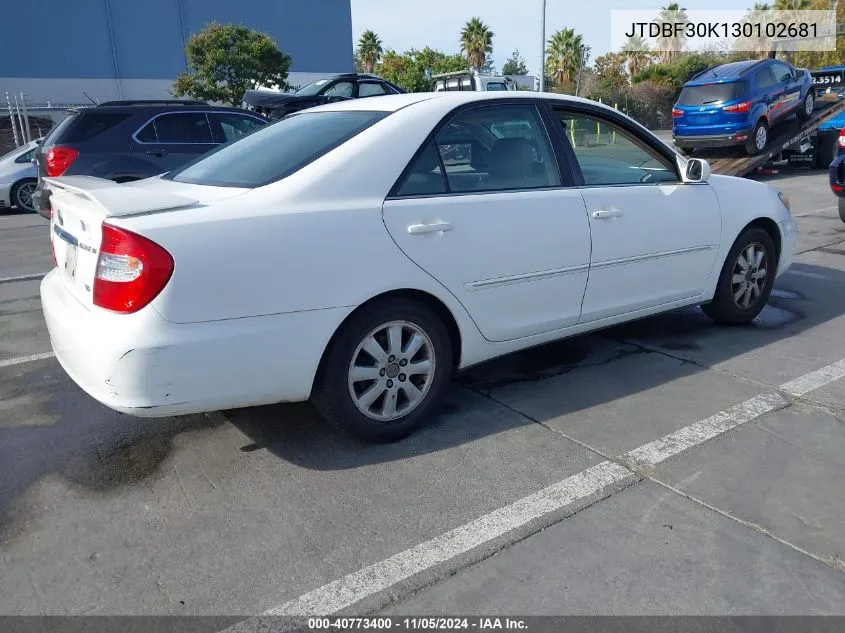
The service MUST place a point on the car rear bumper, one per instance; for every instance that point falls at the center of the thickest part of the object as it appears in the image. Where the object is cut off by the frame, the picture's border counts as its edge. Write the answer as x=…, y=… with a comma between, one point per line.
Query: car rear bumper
x=41, y=201
x=711, y=140
x=140, y=364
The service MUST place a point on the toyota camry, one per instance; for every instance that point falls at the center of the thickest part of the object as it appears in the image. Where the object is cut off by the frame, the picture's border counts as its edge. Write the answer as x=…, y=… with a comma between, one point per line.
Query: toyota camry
x=356, y=254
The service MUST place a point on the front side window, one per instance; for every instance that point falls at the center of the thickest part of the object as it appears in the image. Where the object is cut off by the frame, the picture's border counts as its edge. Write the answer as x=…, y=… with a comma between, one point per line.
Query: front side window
x=496, y=85
x=276, y=151
x=782, y=72
x=610, y=155
x=370, y=89
x=340, y=89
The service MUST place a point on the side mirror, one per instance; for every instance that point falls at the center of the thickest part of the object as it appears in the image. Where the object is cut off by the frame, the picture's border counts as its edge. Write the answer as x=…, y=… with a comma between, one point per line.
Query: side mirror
x=698, y=170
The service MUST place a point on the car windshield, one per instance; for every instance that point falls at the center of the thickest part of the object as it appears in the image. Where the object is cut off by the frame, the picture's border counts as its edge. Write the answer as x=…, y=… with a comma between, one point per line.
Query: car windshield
x=312, y=89
x=711, y=93
x=275, y=151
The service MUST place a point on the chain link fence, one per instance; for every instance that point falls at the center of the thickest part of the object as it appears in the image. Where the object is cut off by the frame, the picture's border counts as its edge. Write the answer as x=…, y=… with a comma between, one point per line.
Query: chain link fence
x=23, y=120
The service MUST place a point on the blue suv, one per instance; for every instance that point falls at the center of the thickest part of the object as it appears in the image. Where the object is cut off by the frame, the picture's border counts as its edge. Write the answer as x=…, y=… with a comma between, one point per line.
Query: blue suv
x=738, y=103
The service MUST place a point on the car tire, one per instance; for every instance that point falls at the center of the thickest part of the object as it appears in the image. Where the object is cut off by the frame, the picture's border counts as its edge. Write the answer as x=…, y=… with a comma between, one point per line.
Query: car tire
x=805, y=112
x=758, y=140
x=20, y=195
x=728, y=305
x=842, y=209
x=686, y=151
x=344, y=402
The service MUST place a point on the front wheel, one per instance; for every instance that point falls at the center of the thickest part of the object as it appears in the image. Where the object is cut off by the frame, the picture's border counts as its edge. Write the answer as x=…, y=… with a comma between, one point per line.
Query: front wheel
x=807, y=107
x=385, y=372
x=746, y=280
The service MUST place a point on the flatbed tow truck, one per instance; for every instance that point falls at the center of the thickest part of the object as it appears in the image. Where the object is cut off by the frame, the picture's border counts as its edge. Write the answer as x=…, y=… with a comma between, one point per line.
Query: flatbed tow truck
x=796, y=143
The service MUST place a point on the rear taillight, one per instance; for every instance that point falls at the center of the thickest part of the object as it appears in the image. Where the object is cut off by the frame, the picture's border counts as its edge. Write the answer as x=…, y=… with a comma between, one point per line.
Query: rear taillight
x=676, y=112
x=842, y=137
x=59, y=159
x=131, y=271
x=745, y=106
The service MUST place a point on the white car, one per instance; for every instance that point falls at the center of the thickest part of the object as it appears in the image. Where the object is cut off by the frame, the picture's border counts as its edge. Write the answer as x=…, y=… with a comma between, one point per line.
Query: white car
x=359, y=252
x=18, y=177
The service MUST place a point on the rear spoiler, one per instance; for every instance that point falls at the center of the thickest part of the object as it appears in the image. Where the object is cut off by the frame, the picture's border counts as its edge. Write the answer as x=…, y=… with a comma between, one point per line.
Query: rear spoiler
x=116, y=199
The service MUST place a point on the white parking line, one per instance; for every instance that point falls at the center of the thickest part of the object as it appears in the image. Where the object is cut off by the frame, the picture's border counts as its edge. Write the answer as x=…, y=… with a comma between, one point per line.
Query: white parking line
x=25, y=359
x=367, y=582
x=31, y=277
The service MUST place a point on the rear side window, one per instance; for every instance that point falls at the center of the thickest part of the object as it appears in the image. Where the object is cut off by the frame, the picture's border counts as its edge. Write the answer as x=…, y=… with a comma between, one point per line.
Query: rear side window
x=276, y=151
x=711, y=93
x=764, y=79
x=180, y=128
x=235, y=126
x=90, y=124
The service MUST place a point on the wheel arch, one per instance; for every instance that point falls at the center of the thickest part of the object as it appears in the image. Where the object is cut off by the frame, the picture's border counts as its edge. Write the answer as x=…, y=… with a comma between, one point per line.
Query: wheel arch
x=769, y=226
x=421, y=296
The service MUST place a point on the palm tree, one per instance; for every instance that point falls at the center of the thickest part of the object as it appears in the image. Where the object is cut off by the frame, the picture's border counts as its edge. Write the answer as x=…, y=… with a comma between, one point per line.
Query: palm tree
x=565, y=53
x=637, y=54
x=759, y=14
x=369, y=50
x=670, y=46
x=476, y=42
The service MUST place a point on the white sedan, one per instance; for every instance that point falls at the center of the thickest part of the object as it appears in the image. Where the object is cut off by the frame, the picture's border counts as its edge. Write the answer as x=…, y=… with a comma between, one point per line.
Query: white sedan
x=357, y=253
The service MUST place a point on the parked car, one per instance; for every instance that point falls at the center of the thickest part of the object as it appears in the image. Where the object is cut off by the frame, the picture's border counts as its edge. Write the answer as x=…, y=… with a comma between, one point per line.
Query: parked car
x=739, y=103
x=275, y=104
x=18, y=177
x=338, y=254
x=837, y=175
x=130, y=140
x=465, y=80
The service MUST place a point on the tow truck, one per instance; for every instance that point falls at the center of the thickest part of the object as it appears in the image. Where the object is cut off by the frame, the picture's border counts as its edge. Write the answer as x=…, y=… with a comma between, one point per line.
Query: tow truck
x=810, y=143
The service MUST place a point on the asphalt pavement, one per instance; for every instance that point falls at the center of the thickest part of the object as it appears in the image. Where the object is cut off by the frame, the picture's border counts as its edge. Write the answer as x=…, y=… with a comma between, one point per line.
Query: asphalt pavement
x=665, y=466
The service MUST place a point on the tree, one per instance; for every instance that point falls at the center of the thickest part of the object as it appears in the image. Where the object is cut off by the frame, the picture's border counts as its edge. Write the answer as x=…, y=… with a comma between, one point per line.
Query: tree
x=369, y=50
x=224, y=61
x=818, y=59
x=669, y=47
x=610, y=70
x=476, y=42
x=515, y=65
x=489, y=67
x=637, y=54
x=412, y=70
x=565, y=55
x=760, y=13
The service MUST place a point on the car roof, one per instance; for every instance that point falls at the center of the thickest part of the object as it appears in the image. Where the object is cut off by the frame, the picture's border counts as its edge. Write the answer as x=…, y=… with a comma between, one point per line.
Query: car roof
x=724, y=72
x=444, y=101
x=157, y=106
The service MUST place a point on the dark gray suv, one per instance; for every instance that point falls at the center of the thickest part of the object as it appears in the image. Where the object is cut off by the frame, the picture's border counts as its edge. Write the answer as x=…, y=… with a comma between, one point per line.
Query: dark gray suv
x=131, y=140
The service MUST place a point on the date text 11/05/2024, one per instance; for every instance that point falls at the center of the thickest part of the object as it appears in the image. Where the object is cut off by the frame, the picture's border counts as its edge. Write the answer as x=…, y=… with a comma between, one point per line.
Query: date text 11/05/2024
x=416, y=623
x=723, y=29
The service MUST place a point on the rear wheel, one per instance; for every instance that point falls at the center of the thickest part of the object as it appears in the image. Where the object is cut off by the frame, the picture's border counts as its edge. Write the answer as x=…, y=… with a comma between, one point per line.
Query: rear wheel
x=805, y=112
x=21, y=194
x=758, y=139
x=827, y=150
x=386, y=371
x=686, y=151
x=745, y=282
x=842, y=209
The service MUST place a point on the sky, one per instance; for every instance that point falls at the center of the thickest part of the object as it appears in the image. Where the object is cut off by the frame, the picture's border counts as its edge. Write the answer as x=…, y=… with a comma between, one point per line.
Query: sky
x=404, y=24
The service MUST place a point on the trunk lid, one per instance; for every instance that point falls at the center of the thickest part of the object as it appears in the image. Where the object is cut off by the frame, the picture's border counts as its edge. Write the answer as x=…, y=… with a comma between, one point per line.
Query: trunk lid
x=80, y=205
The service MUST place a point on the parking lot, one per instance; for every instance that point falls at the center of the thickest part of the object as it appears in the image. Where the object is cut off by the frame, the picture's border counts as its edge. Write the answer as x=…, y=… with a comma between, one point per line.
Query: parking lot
x=665, y=466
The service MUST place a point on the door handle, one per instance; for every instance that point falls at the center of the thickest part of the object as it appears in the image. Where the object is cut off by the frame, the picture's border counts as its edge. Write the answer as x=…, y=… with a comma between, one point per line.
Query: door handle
x=434, y=227
x=158, y=152
x=607, y=213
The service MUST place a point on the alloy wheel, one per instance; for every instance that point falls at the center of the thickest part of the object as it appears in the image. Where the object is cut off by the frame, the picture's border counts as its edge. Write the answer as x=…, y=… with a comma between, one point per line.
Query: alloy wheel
x=391, y=371
x=749, y=276
x=23, y=198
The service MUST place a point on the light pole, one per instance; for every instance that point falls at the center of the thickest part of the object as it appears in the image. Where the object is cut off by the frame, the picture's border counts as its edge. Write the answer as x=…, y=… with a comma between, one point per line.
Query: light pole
x=543, y=50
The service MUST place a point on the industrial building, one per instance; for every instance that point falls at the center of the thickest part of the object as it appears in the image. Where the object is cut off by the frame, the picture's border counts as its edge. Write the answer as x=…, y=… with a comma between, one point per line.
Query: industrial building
x=60, y=51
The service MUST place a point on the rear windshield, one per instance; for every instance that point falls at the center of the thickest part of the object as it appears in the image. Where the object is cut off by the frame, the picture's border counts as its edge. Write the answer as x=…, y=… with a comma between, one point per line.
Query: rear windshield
x=711, y=93
x=275, y=151
x=88, y=124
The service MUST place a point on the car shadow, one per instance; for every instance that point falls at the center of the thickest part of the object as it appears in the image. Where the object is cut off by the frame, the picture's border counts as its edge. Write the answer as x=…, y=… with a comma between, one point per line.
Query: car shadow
x=297, y=434
x=66, y=433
